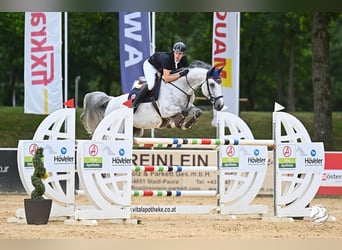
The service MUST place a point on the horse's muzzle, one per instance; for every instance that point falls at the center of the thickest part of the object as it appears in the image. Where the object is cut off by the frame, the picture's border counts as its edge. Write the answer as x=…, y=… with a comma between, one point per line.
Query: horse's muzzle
x=218, y=103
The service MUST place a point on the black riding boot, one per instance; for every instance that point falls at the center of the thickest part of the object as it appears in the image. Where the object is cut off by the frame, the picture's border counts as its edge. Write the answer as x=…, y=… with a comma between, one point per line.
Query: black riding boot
x=143, y=92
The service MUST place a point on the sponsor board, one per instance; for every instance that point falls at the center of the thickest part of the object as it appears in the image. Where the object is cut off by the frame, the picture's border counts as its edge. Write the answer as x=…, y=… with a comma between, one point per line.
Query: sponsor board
x=174, y=180
x=59, y=155
x=106, y=156
x=9, y=176
x=332, y=177
x=331, y=181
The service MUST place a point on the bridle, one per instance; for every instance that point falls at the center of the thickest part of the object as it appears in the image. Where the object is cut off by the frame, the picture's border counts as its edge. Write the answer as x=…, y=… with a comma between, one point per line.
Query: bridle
x=211, y=98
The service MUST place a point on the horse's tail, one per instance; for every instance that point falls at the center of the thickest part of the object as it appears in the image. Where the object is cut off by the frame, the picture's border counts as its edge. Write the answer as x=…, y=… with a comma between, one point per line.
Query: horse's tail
x=94, y=107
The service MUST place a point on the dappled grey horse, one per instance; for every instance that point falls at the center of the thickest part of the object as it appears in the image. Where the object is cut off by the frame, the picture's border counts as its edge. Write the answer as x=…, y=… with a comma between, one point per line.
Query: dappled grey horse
x=174, y=107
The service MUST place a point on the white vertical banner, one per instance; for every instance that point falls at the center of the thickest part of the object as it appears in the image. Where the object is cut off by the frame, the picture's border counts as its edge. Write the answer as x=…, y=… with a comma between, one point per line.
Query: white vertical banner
x=226, y=52
x=43, y=62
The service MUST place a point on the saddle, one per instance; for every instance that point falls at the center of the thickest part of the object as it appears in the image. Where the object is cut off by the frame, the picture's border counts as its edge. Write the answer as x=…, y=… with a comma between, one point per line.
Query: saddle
x=138, y=84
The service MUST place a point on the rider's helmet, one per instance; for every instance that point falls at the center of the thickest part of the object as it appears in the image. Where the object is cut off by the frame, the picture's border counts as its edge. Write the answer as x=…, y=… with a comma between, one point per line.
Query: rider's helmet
x=179, y=47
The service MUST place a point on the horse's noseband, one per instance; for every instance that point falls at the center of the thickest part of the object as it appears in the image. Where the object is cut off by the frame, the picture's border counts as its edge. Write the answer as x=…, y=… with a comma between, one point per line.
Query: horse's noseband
x=211, y=98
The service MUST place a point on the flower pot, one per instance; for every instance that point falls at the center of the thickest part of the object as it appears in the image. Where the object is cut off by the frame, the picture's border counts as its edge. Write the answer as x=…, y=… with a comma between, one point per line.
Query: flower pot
x=37, y=212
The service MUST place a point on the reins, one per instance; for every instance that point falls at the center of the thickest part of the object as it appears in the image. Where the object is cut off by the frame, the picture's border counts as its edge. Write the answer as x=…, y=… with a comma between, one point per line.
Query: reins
x=211, y=99
x=181, y=90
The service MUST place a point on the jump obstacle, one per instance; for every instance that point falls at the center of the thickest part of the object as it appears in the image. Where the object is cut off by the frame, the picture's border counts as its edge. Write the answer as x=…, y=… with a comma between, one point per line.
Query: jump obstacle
x=105, y=170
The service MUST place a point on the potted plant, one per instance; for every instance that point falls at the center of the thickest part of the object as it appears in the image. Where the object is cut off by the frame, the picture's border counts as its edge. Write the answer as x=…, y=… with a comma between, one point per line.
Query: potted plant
x=37, y=208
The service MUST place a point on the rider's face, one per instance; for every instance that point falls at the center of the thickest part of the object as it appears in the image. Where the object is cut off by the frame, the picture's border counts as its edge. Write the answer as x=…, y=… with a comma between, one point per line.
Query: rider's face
x=178, y=56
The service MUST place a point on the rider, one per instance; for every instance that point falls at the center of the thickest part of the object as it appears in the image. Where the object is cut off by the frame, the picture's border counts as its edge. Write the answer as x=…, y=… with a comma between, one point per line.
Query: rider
x=164, y=63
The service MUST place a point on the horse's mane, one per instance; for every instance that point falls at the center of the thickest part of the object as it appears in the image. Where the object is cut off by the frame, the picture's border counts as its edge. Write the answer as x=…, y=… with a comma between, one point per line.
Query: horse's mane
x=199, y=64
x=194, y=64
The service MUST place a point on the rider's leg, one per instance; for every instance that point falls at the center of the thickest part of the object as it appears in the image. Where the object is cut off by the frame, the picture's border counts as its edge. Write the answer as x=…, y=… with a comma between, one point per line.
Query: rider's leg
x=144, y=91
x=149, y=72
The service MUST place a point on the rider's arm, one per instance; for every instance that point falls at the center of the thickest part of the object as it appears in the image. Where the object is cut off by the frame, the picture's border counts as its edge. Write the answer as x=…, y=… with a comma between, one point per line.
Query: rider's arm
x=168, y=77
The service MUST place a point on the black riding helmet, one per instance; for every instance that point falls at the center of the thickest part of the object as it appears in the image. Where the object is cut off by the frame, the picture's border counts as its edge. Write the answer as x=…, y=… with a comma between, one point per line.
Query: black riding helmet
x=179, y=47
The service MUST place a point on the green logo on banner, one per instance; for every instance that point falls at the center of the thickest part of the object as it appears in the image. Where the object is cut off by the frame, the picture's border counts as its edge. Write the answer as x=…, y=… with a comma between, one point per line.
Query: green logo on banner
x=92, y=162
x=287, y=162
x=230, y=162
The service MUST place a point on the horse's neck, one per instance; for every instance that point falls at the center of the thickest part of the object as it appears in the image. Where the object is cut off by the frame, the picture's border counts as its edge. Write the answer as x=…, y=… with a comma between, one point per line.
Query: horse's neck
x=193, y=80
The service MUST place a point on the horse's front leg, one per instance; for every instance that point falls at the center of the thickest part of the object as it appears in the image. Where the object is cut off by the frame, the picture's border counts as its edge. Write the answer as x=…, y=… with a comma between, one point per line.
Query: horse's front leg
x=176, y=121
x=193, y=113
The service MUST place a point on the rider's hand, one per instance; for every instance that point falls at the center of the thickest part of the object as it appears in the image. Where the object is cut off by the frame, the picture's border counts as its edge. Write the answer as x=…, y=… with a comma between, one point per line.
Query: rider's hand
x=183, y=73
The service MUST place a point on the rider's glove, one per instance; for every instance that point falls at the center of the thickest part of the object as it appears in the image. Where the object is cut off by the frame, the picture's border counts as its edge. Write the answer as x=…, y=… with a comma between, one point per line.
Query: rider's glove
x=183, y=73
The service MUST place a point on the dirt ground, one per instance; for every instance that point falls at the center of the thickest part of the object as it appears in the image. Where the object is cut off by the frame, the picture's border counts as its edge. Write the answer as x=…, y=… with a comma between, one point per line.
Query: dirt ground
x=176, y=226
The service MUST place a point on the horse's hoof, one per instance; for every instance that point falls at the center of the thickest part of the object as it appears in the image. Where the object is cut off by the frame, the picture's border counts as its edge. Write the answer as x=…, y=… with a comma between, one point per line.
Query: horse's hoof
x=187, y=126
x=171, y=124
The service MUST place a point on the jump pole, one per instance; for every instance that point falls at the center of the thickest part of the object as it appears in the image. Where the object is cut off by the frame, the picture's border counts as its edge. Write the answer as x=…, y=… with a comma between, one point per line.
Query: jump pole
x=205, y=141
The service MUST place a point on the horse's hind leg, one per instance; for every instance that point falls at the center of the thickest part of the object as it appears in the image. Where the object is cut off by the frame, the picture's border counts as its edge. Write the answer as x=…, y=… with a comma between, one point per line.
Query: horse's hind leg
x=196, y=113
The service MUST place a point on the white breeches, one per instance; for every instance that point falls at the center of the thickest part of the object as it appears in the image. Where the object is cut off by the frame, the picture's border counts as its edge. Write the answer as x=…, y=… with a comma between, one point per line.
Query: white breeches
x=150, y=74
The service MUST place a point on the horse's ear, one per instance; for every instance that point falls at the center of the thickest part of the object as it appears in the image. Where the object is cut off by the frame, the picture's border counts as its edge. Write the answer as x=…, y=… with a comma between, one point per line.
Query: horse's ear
x=211, y=71
x=216, y=73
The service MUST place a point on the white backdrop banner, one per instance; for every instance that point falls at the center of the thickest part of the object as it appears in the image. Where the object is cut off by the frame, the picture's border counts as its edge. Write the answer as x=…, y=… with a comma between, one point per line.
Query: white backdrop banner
x=43, y=62
x=226, y=50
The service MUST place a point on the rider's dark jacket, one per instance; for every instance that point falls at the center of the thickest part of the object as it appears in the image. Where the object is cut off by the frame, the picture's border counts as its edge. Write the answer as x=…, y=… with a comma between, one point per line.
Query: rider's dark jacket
x=166, y=60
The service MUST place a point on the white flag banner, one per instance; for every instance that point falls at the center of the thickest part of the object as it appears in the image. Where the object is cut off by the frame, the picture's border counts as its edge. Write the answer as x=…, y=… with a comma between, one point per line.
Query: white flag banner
x=226, y=51
x=43, y=62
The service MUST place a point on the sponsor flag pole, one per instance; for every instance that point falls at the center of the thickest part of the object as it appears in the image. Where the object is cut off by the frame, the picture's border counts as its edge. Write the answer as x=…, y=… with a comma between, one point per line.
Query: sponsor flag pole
x=65, y=56
x=153, y=45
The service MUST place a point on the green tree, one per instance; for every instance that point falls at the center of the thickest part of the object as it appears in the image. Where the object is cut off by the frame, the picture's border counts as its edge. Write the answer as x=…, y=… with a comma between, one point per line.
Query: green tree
x=93, y=52
x=11, y=58
x=321, y=78
x=335, y=61
x=270, y=68
x=194, y=29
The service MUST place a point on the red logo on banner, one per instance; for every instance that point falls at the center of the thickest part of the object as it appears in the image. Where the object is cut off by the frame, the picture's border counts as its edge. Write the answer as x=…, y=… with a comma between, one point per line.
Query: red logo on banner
x=230, y=151
x=93, y=150
x=33, y=149
x=42, y=53
x=287, y=151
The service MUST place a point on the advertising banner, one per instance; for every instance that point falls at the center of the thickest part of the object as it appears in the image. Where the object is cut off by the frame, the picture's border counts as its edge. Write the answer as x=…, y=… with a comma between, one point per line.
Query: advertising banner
x=9, y=175
x=134, y=33
x=332, y=176
x=225, y=53
x=106, y=156
x=42, y=62
x=173, y=180
x=59, y=155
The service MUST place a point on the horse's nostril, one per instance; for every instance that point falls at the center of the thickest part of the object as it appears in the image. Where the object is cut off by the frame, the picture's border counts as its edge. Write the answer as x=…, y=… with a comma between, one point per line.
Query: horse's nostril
x=218, y=105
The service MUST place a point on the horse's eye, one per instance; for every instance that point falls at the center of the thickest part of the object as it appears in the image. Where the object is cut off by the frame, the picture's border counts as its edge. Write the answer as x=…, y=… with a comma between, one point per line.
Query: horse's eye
x=218, y=80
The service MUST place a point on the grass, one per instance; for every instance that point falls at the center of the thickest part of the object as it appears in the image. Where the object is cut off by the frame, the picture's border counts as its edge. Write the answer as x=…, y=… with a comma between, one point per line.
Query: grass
x=15, y=126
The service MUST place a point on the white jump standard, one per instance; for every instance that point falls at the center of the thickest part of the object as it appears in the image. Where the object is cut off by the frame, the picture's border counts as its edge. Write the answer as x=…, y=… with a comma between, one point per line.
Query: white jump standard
x=105, y=169
x=231, y=198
